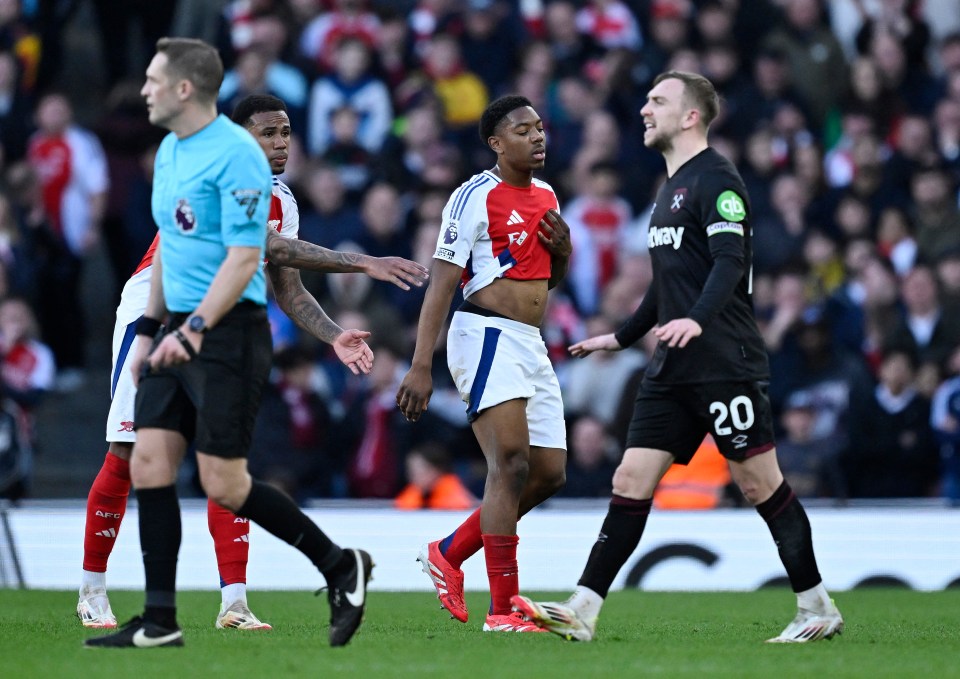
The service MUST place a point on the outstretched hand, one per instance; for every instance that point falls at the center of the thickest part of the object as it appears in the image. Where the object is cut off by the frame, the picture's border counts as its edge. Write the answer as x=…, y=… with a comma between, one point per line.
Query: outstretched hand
x=554, y=233
x=606, y=342
x=401, y=272
x=353, y=352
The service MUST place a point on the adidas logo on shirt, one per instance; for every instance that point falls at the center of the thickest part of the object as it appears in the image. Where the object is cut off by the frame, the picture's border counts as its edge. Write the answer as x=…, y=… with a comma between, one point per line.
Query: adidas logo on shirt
x=515, y=218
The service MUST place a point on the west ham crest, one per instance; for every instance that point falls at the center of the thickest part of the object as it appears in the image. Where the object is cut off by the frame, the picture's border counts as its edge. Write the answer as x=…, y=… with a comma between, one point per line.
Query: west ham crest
x=677, y=201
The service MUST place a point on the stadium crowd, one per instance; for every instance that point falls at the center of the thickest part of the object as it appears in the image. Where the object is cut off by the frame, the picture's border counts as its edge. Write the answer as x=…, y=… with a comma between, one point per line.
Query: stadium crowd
x=842, y=117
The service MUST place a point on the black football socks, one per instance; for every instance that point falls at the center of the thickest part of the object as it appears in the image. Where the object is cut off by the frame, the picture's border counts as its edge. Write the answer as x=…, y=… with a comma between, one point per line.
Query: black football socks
x=790, y=529
x=159, y=514
x=619, y=536
x=278, y=514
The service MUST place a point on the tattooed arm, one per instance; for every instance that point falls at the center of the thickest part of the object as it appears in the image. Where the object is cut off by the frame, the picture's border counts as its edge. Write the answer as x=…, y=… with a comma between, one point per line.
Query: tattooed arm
x=299, y=254
x=302, y=307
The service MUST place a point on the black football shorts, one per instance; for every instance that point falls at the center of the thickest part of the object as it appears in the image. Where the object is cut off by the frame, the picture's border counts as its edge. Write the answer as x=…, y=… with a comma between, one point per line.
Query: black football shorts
x=675, y=418
x=213, y=399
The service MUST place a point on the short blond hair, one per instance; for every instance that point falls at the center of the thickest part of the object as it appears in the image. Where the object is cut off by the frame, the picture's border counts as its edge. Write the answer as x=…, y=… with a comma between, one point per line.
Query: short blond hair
x=699, y=91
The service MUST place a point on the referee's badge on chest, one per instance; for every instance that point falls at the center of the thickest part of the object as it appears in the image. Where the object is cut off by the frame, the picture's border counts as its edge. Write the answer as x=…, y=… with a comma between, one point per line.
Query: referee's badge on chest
x=677, y=201
x=185, y=217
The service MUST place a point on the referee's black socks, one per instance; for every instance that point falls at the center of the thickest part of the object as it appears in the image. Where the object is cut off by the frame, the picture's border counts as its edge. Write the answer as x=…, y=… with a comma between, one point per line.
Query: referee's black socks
x=790, y=529
x=619, y=536
x=278, y=514
x=159, y=516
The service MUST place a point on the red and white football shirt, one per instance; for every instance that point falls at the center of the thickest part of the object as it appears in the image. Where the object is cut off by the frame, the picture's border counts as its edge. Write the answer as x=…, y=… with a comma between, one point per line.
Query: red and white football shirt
x=72, y=167
x=284, y=213
x=490, y=229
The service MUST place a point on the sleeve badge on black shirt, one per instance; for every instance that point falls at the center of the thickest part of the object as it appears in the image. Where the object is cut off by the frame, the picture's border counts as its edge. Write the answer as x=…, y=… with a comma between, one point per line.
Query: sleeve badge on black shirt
x=731, y=206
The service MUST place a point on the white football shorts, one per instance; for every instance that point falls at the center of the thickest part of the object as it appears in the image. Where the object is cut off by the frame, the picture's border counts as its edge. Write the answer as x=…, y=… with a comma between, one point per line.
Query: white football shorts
x=493, y=360
x=133, y=301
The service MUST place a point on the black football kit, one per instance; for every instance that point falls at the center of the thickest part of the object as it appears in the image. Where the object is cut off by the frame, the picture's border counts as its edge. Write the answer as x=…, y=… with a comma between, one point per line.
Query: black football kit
x=699, y=242
x=700, y=249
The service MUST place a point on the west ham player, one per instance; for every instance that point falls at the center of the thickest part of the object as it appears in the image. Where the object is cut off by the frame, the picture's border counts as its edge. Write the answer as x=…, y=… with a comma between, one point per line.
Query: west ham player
x=709, y=372
x=503, y=240
x=266, y=119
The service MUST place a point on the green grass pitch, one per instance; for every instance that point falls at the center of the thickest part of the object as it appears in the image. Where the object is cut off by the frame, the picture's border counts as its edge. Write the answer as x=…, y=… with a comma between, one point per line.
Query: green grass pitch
x=889, y=633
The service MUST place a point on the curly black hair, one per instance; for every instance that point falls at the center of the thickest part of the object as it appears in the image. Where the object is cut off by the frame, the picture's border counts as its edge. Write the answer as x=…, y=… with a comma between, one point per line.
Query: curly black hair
x=498, y=109
x=253, y=104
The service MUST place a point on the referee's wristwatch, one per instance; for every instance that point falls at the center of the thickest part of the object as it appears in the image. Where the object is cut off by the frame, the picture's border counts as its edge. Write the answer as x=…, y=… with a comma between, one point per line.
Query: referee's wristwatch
x=197, y=324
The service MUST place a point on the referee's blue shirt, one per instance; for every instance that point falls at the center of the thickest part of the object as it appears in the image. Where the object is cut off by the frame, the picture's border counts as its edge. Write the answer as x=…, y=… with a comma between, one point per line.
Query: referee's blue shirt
x=211, y=191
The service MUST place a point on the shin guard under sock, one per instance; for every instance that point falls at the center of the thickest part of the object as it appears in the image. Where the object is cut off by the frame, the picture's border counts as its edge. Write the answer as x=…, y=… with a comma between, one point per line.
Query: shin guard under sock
x=790, y=529
x=279, y=515
x=160, y=532
x=464, y=542
x=106, y=505
x=231, y=542
x=500, y=552
x=619, y=536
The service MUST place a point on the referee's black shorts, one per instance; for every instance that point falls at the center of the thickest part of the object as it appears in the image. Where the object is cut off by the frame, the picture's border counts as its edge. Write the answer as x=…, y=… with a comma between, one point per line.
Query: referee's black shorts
x=213, y=399
x=675, y=418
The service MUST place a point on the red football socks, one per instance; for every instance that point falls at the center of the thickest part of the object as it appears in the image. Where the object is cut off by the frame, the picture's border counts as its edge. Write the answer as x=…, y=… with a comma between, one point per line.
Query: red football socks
x=500, y=552
x=464, y=542
x=231, y=541
x=106, y=505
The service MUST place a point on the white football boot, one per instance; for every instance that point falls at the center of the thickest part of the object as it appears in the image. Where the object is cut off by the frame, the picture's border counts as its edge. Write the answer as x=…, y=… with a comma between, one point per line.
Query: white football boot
x=811, y=626
x=238, y=616
x=556, y=617
x=93, y=608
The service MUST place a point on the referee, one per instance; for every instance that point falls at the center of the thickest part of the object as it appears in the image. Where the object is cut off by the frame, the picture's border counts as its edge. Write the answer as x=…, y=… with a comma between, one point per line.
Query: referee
x=202, y=378
x=709, y=372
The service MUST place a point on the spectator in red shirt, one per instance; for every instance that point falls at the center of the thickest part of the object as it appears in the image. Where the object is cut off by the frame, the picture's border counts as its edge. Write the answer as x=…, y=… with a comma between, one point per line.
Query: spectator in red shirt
x=26, y=374
x=72, y=170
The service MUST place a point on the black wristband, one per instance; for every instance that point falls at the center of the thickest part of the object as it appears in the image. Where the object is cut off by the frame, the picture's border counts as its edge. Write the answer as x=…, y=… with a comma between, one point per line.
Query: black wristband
x=148, y=326
x=185, y=343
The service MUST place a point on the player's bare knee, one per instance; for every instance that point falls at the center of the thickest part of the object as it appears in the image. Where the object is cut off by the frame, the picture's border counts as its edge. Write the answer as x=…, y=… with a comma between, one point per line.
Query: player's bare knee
x=628, y=481
x=552, y=482
x=225, y=481
x=228, y=501
x=518, y=471
x=151, y=470
x=142, y=477
x=751, y=491
x=122, y=450
x=556, y=481
x=513, y=470
x=220, y=490
x=542, y=487
x=548, y=474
